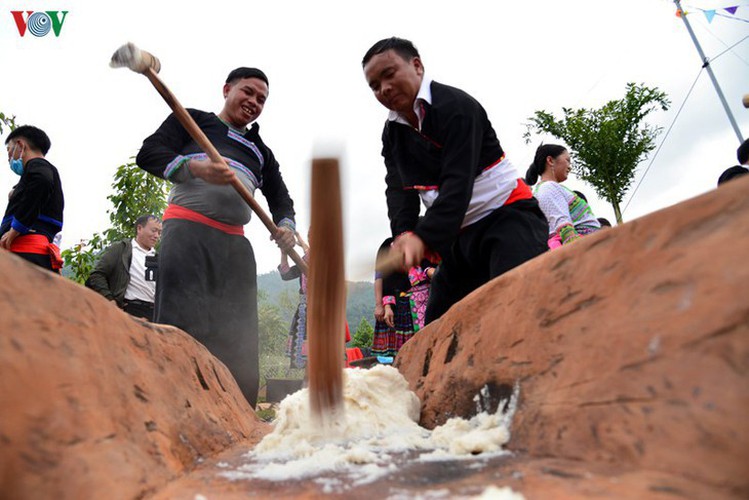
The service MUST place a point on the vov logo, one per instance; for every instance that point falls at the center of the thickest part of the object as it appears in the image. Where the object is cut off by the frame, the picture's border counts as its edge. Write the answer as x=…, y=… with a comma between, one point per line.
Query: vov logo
x=39, y=23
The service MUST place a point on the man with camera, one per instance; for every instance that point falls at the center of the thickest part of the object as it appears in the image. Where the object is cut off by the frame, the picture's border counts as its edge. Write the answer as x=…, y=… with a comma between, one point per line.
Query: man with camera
x=126, y=271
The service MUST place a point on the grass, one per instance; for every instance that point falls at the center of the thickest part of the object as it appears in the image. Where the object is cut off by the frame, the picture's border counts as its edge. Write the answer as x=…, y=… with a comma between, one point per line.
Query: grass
x=266, y=414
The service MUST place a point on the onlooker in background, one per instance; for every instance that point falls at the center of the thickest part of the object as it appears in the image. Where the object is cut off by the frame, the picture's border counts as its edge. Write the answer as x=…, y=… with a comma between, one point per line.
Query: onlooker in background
x=34, y=214
x=601, y=220
x=604, y=222
x=382, y=327
x=569, y=215
x=742, y=153
x=296, y=347
x=731, y=173
x=122, y=272
x=403, y=299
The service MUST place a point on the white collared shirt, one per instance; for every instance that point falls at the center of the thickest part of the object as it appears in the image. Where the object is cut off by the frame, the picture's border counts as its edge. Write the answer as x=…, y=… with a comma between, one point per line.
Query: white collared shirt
x=138, y=288
x=424, y=96
x=491, y=189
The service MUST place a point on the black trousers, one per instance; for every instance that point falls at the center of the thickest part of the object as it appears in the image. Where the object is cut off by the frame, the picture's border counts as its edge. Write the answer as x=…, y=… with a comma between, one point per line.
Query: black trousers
x=139, y=308
x=207, y=286
x=41, y=260
x=506, y=238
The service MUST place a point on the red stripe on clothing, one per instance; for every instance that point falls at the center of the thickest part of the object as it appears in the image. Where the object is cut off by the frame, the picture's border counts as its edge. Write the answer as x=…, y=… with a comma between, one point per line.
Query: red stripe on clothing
x=501, y=158
x=521, y=192
x=437, y=144
x=178, y=212
x=37, y=244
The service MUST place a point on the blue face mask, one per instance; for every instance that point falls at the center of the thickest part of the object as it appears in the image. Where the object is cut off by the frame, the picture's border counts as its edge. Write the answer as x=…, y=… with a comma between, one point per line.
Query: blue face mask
x=16, y=165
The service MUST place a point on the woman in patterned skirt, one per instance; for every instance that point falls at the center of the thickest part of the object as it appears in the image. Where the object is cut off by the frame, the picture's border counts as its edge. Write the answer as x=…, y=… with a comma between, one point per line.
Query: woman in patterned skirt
x=400, y=306
x=296, y=347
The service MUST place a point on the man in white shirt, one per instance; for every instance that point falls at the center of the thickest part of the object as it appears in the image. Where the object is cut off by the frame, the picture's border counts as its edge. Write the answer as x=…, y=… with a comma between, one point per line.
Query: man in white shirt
x=125, y=272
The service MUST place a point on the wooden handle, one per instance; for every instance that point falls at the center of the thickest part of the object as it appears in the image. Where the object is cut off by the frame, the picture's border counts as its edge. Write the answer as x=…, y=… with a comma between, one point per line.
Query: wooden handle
x=326, y=291
x=205, y=144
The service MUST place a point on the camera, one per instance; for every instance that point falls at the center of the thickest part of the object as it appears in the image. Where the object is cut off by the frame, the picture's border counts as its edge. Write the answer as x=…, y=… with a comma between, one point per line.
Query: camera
x=152, y=267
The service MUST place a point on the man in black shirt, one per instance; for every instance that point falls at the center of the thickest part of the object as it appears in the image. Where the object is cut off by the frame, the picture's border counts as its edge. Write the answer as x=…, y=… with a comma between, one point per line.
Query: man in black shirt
x=207, y=282
x=34, y=213
x=439, y=146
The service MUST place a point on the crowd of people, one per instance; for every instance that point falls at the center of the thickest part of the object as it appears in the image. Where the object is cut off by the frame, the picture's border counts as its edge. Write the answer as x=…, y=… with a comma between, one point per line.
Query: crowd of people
x=460, y=213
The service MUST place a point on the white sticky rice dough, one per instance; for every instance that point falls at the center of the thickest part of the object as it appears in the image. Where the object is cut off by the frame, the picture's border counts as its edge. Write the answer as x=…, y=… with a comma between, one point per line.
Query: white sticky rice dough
x=378, y=425
x=504, y=493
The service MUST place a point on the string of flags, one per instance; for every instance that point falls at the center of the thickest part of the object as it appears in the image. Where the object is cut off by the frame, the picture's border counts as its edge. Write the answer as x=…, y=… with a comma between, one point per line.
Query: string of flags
x=711, y=13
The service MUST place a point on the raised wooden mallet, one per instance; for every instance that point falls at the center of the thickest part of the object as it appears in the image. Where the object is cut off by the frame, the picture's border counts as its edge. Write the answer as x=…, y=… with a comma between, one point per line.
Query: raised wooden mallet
x=390, y=262
x=131, y=57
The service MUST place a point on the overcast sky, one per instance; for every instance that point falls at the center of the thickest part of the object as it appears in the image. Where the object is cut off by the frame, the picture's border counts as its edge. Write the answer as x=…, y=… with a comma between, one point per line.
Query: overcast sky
x=514, y=57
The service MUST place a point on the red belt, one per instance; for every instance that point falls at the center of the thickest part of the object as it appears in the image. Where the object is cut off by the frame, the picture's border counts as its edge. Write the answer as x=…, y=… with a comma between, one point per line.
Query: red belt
x=521, y=192
x=178, y=212
x=37, y=244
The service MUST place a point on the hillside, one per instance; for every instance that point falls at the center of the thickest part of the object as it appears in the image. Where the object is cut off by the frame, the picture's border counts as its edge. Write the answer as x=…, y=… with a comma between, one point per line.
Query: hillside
x=359, y=298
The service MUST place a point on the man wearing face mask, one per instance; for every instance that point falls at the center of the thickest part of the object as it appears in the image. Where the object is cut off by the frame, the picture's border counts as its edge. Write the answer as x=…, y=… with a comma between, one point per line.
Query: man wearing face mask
x=35, y=205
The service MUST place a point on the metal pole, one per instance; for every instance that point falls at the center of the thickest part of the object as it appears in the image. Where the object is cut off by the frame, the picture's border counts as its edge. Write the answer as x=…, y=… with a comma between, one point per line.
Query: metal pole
x=706, y=65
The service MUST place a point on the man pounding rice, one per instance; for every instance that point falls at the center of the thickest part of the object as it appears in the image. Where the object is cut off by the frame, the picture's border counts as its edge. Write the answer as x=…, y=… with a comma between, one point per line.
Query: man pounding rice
x=207, y=274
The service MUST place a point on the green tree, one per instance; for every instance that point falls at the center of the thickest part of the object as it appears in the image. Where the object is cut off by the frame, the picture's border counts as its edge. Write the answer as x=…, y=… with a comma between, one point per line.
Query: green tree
x=8, y=121
x=288, y=301
x=359, y=301
x=363, y=335
x=272, y=328
x=136, y=192
x=80, y=259
x=607, y=143
x=273, y=335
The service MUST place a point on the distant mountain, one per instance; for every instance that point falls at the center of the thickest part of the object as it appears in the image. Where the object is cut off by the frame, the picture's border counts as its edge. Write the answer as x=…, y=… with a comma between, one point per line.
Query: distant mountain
x=359, y=296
